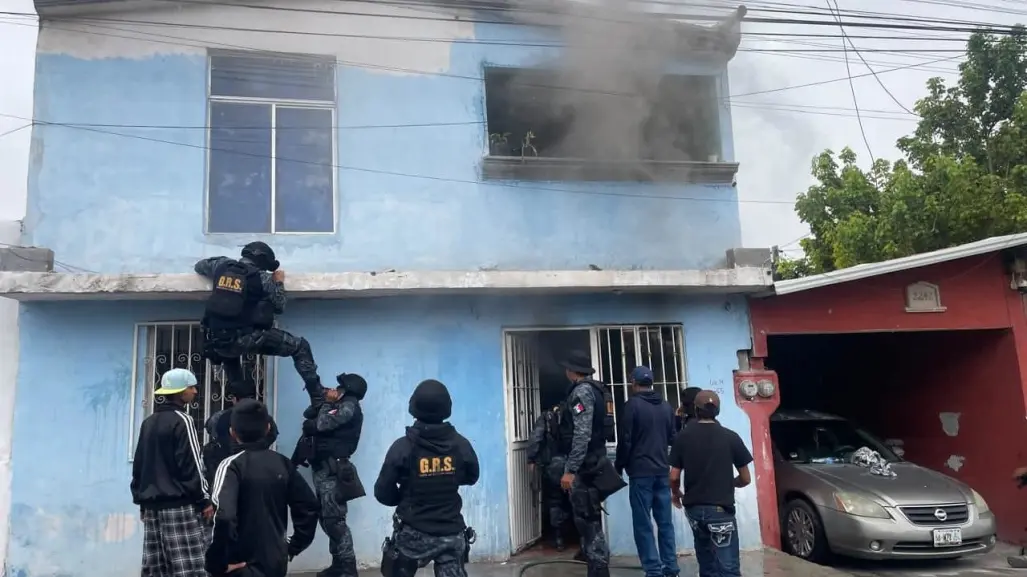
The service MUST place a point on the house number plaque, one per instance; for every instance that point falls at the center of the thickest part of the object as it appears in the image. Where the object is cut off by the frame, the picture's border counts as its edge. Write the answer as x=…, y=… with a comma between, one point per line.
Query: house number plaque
x=923, y=297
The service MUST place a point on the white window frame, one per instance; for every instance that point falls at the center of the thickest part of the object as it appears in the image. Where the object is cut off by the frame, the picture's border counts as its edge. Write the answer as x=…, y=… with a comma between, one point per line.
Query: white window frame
x=670, y=388
x=275, y=103
x=145, y=376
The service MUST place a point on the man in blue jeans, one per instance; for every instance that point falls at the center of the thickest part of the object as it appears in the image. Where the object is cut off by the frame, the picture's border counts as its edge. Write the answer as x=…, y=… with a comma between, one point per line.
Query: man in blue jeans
x=646, y=432
x=709, y=454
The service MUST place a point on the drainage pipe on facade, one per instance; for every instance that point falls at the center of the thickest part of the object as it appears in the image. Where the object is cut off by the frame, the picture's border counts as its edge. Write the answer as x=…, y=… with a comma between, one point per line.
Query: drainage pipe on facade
x=526, y=566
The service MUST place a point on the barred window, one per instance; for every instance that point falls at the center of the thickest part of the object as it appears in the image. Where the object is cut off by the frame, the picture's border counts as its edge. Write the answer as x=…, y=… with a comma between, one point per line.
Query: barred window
x=160, y=347
x=659, y=347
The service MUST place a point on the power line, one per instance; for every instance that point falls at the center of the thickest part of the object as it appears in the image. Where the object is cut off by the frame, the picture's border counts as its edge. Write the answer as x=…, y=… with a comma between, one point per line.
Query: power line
x=755, y=6
x=815, y=110
x=821, y=113
x=855, y=101
x=848, y=39
x=843, y=79
x=479, y=79
x=599, y=45
x=379, y=16
x=772, y=106
x=13, y=130
x=464, y=6
x=933, y=26
x=402, y=174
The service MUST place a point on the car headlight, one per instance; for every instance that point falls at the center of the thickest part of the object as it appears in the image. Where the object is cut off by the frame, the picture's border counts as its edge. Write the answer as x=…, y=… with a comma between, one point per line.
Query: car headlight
x=982, y=505
x=859, y=506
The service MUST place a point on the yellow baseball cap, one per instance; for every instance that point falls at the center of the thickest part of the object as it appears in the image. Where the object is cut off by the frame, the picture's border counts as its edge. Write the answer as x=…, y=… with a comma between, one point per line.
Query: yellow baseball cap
x=175, y=381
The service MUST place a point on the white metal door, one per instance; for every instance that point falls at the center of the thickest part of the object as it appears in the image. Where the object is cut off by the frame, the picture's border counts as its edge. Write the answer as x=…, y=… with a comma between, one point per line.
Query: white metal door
x=596, y=355
x=523, y=400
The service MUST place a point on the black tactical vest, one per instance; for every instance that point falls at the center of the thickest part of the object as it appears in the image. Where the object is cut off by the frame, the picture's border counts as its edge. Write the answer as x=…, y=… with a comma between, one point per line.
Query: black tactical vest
x=431, y=491
x=235, y=299
x=340, y=443
x=551, y=438
x=602, y=418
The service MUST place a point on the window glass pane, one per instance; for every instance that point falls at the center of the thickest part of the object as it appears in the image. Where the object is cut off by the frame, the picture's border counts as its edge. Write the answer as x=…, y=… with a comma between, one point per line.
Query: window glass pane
x=304, y=170
x=239, y=175
x=280, y=77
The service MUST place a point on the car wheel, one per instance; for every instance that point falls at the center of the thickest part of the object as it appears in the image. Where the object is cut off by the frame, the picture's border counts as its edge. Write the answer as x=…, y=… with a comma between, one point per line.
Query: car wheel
x=804, y=533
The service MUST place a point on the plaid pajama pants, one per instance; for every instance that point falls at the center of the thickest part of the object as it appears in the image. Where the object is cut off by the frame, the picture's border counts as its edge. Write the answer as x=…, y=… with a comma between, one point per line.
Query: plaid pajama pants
x=174, y=542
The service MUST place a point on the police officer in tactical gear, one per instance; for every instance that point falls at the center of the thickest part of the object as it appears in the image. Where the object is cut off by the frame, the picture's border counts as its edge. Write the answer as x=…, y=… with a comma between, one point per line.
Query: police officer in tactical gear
x=421, y=476
x=589, y=476
x=333, y=423
x=543, y=459
x=245, y=296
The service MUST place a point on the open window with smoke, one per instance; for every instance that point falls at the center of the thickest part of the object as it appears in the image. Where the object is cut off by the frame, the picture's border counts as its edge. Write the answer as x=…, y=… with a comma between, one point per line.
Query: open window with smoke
x=611, y=103
x=533, y=113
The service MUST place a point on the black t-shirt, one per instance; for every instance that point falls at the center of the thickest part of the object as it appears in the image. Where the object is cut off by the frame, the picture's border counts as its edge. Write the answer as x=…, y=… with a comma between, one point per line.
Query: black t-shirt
x=708, y=455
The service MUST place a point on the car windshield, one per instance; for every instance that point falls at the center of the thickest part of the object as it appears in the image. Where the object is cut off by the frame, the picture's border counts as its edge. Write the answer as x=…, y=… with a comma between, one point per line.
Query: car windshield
x=823, y=441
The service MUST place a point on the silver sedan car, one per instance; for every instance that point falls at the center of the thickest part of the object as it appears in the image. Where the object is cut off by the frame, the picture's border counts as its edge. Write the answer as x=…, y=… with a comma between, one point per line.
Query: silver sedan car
x=830, y=506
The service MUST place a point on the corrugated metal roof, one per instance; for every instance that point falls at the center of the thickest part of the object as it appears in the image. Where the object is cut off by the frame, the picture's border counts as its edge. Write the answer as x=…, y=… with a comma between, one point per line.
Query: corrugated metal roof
x=993, y=244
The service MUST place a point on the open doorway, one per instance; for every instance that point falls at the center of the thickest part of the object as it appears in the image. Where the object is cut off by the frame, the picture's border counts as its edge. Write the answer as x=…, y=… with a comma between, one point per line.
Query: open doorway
x=535, y=382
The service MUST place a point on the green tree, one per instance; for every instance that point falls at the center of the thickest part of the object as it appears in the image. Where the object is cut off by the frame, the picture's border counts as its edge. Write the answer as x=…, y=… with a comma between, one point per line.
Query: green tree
x=963, y=176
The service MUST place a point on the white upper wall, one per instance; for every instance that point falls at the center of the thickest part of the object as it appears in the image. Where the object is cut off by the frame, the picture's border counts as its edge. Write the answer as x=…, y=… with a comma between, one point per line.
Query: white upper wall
x=367, y=34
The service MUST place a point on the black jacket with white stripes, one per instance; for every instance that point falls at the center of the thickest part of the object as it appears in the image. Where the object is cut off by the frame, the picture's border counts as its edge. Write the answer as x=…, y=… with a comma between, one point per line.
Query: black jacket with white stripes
x=167, y=470
x=255, y=491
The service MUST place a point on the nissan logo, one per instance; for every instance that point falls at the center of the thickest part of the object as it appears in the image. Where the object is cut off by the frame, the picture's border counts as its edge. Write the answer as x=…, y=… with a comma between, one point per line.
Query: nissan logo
x=940, y=514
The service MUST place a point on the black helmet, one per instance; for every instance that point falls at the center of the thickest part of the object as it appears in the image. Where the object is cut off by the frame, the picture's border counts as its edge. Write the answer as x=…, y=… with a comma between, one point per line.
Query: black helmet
x=261, y=255
x=352, y=384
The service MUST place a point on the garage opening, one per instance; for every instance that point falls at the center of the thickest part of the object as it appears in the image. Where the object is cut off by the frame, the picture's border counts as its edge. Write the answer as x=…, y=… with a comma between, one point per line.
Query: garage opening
x=949, y=401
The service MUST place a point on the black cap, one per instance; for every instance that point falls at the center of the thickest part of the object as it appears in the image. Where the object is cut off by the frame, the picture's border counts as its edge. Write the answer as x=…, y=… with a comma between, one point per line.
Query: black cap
x=431, y=402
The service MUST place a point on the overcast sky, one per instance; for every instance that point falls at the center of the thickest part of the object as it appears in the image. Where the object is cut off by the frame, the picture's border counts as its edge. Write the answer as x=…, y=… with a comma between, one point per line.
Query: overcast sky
x=776, y=133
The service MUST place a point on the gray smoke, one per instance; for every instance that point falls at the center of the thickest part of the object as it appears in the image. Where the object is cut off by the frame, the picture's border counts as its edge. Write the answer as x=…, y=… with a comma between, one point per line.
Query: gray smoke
x=612, y=98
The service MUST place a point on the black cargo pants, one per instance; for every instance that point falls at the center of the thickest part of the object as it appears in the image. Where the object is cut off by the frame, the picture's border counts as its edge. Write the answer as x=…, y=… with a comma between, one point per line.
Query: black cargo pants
x=227, y=347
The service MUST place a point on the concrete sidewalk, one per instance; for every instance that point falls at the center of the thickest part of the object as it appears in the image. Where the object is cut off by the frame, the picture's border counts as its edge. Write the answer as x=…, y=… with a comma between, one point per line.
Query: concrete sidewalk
x=768, y=562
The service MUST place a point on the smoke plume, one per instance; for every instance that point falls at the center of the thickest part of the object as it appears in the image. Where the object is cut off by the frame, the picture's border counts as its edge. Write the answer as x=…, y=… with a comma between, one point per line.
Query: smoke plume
x=613, y=94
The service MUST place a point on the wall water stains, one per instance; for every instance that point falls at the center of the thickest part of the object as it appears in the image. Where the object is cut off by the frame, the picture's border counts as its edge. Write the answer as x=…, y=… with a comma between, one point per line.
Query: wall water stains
x=72, y=514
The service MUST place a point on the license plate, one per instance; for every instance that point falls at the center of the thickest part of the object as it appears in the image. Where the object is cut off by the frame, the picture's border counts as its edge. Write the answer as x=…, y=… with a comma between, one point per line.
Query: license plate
x=948, y=537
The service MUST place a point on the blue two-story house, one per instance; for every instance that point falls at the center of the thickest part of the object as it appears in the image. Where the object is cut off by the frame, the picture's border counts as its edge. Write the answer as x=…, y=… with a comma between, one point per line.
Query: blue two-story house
x=462, y=191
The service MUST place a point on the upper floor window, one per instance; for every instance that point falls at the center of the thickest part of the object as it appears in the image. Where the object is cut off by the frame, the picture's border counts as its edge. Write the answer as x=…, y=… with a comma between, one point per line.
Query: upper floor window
x=538, y=118
x=272, y=143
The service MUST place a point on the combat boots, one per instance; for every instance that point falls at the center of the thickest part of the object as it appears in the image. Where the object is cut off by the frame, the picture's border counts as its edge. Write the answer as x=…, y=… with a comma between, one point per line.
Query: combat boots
x=340, y=568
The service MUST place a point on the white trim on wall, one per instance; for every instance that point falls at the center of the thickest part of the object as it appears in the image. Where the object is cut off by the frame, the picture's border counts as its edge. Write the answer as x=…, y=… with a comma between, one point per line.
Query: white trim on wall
x=29, y=286
x=10, y=233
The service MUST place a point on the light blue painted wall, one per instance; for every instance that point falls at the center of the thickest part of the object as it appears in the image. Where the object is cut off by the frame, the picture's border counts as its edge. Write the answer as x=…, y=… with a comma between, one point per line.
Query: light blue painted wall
x=133, y=201
x=72, y=515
